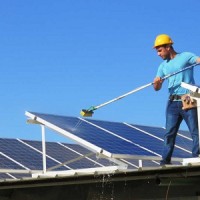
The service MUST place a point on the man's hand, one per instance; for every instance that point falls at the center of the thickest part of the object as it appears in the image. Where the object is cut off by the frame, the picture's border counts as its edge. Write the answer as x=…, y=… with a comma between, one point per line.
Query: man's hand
x=157, y=83
x=198, y=60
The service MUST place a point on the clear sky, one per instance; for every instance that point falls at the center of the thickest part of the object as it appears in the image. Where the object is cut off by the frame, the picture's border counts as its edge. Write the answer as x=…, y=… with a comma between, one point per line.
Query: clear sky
x=59, y=57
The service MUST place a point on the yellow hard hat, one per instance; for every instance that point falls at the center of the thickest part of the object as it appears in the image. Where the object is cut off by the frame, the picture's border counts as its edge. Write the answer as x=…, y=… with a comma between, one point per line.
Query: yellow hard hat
x=162, y=40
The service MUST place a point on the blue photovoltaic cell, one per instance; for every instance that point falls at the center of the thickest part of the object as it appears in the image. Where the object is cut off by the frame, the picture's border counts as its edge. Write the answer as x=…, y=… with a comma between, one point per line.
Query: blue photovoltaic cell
x=132, y=135
x=5, y=163
x=126, y=140
x=185, y=133
x=63, y=154
x=146, y=140
x=21, y=175
x=23, y=154
x=80, y=149
x=183, y=142
x=5, y=176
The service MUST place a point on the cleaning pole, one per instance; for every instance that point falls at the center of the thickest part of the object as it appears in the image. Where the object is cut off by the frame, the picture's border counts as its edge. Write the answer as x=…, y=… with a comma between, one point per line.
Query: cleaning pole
x=89, y=112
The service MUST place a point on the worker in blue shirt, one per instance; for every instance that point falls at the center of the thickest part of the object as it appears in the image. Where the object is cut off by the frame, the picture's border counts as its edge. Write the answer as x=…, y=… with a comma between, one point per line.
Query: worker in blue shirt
x=172, y=62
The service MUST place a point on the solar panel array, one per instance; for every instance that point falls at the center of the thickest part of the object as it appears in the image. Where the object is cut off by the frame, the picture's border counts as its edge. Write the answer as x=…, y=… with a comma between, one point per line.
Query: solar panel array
x=90, y=135
x=27, y=155
x=115, y=137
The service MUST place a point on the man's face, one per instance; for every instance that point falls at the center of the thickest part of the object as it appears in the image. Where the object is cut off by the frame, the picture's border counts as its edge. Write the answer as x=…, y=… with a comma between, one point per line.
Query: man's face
x=163, y=52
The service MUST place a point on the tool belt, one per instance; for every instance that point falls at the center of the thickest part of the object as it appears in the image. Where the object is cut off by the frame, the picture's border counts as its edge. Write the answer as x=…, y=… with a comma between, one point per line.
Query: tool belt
x=188, y=102
x=174, y=97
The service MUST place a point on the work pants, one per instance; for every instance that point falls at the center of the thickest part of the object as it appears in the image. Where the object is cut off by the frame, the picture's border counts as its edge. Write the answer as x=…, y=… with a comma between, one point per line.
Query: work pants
x=174, y=116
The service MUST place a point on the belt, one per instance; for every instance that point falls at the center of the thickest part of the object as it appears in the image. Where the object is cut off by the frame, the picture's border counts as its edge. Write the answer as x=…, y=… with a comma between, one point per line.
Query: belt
x=174, y=97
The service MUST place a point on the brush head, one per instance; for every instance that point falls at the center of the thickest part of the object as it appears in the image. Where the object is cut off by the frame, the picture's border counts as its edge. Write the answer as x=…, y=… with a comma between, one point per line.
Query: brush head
x=86, y=113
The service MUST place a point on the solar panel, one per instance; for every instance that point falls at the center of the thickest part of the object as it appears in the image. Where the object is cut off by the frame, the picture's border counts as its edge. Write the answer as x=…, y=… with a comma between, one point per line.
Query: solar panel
x=112, y=138
x=5, y=176
x=91, y=136
x=183, y=141
x=25, y=155
x=63, y=152
x=6, y=163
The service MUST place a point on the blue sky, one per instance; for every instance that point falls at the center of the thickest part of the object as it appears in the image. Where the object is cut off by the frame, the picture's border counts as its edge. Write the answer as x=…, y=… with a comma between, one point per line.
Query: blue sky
x=59, y=57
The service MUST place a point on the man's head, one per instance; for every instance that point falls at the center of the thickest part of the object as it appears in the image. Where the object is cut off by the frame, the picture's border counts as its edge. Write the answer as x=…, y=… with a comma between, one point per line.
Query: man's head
x=163, y=45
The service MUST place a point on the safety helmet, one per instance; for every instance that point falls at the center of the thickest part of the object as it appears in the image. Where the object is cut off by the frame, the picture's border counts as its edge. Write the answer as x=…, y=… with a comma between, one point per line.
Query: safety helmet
x=162, y=40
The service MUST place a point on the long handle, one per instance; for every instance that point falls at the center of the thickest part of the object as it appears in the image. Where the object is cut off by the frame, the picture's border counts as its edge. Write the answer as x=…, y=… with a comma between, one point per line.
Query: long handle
x=124, y=95
x=142, y=87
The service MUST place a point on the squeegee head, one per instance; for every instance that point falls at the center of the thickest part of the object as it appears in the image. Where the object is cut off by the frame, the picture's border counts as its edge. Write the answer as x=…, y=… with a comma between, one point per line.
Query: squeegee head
x=86, y=113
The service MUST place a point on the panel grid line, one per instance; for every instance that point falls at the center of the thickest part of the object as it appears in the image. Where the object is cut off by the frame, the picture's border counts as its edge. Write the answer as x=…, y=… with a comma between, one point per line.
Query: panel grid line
x=177, y=146
x=42, y=153
x=14, y=161
x=114, y=134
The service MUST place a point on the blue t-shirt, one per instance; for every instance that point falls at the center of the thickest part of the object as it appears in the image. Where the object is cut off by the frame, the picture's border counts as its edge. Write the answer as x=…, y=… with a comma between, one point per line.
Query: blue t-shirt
x=180, y=61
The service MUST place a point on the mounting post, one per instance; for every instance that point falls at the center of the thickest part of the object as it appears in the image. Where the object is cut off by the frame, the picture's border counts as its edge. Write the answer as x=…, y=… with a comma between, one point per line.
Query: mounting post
x=44, y=149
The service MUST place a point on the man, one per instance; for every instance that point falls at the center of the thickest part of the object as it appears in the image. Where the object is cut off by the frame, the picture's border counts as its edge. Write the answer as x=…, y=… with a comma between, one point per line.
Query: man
x=173, y=62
